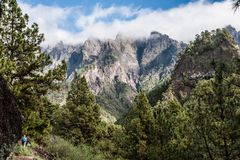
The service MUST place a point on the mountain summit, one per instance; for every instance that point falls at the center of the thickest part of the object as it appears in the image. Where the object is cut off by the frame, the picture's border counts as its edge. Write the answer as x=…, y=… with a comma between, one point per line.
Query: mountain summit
x=117, y=69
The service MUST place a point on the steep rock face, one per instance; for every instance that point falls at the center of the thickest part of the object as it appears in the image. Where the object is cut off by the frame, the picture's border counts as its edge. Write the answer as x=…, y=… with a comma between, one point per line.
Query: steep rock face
x=197, y=66
x=74, y=61
x=158, y=59
x=71, y=54
x=10, y=118
x=110, y=65
x=112, y=72
x=234, y=33
x=117, y=69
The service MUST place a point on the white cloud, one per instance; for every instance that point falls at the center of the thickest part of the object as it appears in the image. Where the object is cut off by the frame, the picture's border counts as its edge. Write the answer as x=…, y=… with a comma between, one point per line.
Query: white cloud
x=99, y=13
x=181, y=23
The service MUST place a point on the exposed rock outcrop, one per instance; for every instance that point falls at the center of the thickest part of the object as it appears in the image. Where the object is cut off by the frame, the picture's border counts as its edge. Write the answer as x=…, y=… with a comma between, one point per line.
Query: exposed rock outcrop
x=116, y=69
x=196, y=66
x=10, y=119
x=234, y=33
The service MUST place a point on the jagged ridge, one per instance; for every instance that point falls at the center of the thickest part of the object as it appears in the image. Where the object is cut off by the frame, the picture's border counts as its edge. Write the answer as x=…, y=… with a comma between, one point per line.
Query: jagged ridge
x=117, y=69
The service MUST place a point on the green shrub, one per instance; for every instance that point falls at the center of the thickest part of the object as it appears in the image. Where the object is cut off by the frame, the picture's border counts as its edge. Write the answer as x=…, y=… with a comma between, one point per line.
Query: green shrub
x=21, y=150
x=64, y=150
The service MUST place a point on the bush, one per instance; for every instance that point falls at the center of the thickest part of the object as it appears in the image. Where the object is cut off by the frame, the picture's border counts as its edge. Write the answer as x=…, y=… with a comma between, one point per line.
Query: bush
x=64, y=150
x=23, y=151
x=28, y=151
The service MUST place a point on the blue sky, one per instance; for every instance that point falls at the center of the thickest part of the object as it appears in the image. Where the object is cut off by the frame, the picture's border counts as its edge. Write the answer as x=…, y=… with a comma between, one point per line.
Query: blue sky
x=74, y=21
x=154, y=4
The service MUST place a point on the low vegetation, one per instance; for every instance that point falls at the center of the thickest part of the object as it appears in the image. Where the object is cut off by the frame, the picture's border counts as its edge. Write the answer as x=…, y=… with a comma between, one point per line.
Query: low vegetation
x=64, y=150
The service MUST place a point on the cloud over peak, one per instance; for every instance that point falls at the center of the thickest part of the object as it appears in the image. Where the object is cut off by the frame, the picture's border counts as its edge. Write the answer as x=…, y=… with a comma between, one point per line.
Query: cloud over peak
x=72, y=25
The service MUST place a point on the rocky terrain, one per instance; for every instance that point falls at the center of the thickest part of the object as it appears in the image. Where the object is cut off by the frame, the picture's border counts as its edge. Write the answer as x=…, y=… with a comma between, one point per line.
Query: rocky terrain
x=117, y=69
x=234, y=33
x=198, y=63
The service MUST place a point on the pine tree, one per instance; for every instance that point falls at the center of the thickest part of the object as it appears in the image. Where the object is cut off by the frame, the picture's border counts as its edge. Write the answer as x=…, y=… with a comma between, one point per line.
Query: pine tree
x=170, y=138
x=80, y=118
x=22, y=62
x=139, y=125
x=214, y=110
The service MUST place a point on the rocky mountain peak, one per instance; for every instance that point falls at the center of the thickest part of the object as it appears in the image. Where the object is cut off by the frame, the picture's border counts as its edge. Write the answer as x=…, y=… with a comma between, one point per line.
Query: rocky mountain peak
x=234, y=33
x=155, y=33
x=116, y=68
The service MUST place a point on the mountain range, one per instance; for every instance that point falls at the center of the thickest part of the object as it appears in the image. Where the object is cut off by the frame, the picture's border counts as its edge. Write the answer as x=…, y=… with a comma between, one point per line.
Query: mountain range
x=116, y=69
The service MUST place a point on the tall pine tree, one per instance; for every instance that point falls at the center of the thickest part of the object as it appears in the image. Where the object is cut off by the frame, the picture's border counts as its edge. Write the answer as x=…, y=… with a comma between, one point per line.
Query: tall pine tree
x=170, y=140
x=214, y=110
x=139, y=125
x=23, y=63
x=80, y=118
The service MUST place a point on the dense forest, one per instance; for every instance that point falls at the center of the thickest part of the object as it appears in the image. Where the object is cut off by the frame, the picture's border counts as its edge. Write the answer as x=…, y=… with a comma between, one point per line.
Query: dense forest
x=163, y=124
